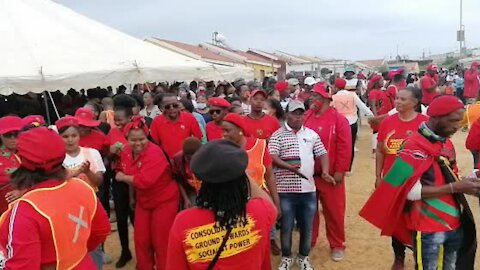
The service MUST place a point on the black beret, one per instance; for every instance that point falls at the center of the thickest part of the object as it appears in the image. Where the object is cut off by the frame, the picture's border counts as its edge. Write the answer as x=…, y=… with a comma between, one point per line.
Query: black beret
x=219, y=161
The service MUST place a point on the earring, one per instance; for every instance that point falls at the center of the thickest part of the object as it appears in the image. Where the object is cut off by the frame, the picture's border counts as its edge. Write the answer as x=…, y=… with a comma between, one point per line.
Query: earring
x=241, y=133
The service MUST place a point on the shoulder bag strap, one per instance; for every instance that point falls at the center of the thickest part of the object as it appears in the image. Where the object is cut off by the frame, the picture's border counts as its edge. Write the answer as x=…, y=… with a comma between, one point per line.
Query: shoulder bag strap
x=219, y=252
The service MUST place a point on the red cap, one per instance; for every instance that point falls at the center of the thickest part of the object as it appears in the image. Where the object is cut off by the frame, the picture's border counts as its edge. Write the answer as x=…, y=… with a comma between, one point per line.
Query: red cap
x=320, y=89
x=258, y=91
x=475, y=64
x=281, y=86
x=444, y=105
x=432, y=67
x=219, y=102
x=67, y=121
x=373, y=81
x=10, y=124
x=237, y=120
x=33, y=121
x=361, y=76
x=86, y=117
x=138, y=122
x=340, y=83
x=36, y=154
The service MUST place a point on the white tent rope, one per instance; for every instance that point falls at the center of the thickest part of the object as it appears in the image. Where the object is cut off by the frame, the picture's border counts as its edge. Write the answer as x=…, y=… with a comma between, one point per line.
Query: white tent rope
x=54, y=106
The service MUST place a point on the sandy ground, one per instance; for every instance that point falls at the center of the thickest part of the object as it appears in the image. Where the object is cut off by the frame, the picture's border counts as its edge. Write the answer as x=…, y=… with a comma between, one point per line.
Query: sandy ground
x=365, y=248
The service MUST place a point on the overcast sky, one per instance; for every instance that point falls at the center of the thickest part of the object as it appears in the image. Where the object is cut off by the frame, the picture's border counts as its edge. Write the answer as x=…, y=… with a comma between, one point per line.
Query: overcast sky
x=353, y=29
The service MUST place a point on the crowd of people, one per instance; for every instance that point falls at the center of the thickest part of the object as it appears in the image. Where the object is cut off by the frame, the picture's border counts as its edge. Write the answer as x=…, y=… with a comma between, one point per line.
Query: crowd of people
x=220, y=176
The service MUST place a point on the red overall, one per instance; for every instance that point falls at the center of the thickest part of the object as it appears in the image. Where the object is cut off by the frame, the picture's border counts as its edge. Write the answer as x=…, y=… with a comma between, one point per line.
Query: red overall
x=334, y=131
x=157, y=205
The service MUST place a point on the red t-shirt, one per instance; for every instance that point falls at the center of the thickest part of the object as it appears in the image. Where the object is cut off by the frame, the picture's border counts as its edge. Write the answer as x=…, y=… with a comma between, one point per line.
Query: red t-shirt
x=30, y=237
x=9, y=162
x=170, y=135
x=116, y=136
x=152, y=176
x=96, y=140
x=392, y=133
x=391, y=92
x=428, y=82
x=214, y=131
x=261, y=128
x=267, y=159
x=194, y=240
x=383, y=103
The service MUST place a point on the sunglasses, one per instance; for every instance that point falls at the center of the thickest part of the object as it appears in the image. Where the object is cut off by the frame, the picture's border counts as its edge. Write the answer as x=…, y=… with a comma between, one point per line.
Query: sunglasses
x=215, y=111
x=171, y=106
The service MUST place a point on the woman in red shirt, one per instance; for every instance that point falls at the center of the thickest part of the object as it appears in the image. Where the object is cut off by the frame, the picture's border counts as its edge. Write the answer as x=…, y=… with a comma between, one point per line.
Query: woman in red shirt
x=380, y=103
x=391, y=134
x=123, y=114
x=156, y=194
x=10, y=126
x=35, y=233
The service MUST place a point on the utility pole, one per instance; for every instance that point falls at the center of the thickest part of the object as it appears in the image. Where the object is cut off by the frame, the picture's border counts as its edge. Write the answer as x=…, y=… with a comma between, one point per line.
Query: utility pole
x=461, y=31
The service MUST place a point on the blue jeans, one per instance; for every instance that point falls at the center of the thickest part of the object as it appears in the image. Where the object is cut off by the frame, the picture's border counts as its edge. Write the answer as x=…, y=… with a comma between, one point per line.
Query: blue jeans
x=433, y=246
x=97, y=257
x=300, y=207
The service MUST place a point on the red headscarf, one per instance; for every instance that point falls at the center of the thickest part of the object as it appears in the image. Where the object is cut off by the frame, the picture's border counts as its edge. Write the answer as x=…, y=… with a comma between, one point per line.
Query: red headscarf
x=138, y=122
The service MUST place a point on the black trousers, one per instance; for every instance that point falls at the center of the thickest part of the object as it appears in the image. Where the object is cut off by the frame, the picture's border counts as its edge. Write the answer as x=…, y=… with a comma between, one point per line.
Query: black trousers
x=354, y=129
x=104, y=190
x=398, y=249
x=121, y=198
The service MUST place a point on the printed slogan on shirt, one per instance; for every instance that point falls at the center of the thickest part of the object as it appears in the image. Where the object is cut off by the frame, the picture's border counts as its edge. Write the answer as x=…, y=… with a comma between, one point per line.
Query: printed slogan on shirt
x=202, y=243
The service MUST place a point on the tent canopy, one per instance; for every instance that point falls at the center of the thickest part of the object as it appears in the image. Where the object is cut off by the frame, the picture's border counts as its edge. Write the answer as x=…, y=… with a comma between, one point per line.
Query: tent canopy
x=46, y=46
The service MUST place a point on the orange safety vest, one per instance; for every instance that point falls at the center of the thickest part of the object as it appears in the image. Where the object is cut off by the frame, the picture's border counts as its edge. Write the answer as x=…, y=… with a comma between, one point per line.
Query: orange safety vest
x=345, y=104
x=256, y=169
x=472, y=113
x=70, y=224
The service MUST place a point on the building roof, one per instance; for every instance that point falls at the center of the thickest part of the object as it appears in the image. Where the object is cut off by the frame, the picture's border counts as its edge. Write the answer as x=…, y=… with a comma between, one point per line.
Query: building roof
x=373, y=63
x=238, y=54
x=201, y=52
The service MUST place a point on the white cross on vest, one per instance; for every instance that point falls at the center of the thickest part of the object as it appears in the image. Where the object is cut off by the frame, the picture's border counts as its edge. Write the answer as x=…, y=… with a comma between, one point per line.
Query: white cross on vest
x=80, y=223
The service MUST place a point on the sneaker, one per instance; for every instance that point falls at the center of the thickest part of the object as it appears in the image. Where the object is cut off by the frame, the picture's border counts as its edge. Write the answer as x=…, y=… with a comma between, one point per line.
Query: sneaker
x=337, y=255
x=107, y=259
x=304, y=264
x=286, y=263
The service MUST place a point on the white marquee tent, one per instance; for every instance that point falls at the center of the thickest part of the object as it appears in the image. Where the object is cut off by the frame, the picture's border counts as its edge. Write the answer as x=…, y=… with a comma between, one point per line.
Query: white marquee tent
x=46, y=46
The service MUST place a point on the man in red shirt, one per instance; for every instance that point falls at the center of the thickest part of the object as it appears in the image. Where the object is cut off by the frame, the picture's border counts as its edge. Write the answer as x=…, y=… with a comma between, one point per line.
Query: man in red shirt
x=258, y=124
x=380, y=103
x=429, y=84
x=335, y=133
x=218, y=109
x=398, y=83
x=89, y=136
x=230, y=227
x=170, y=129
x=472, y=83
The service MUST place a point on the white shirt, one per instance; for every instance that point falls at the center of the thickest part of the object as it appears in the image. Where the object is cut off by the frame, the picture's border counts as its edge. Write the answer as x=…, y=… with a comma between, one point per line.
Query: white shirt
x=302, y=147
x=247, y=108
x=96, y=164
x=152, y=114
x=364, y=110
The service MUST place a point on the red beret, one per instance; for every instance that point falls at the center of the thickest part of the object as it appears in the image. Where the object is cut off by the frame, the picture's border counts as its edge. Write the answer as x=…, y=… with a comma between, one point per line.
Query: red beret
x=86, y=117
x=320, y=89
x=33, y=120
x=281, y=86
x=373, y=81
x=9, y=124
x=475, y=64
x=219, y=102
x=41, y=148
x=360, y=76
x=67, y=121
x=340, y=83
x=237, y=120
x=138, y=122
x=444, y=105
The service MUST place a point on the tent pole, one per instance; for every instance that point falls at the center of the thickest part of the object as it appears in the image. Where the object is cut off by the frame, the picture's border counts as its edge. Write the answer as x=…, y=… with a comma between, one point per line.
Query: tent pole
x=45, y=99
x=54, y=106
